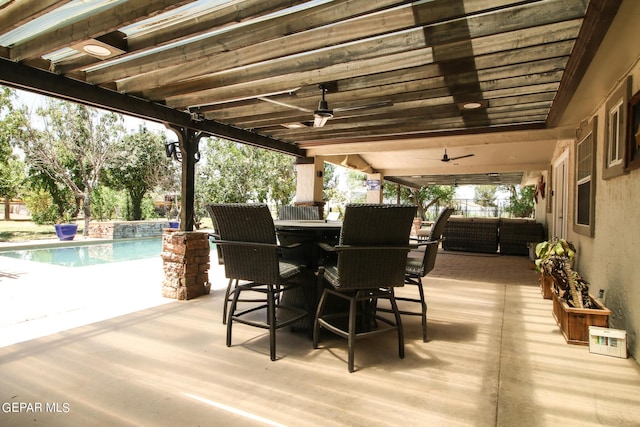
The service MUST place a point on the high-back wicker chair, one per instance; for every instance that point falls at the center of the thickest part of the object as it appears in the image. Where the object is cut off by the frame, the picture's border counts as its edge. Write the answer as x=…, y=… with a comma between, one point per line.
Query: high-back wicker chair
x=418, y=267
x=371, y=261
x=251, y=255
x=233, y=282
x=299, y=212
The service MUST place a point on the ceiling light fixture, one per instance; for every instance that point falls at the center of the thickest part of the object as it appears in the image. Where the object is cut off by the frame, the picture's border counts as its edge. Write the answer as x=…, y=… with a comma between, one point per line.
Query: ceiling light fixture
x=98, y=49
x=323, y=113
x=295, y=125
x=471, y=105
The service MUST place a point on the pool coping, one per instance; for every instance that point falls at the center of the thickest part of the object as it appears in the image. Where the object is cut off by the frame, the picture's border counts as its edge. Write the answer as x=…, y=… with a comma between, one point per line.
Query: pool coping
x=54, y=243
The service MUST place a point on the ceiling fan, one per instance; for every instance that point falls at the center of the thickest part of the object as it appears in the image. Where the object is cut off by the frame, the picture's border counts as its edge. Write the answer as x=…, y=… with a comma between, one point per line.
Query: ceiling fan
x=323, y=113
x=445, y=158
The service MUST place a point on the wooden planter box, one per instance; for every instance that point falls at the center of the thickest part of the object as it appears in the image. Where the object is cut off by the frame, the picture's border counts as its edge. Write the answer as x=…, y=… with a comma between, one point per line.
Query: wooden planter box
x=575, y=322
x=546, y=286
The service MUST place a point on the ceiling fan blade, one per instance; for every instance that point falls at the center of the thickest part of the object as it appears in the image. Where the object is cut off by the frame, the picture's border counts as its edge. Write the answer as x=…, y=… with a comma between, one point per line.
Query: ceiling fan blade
x=461, y=157
x=366, y=106
x=284, y=104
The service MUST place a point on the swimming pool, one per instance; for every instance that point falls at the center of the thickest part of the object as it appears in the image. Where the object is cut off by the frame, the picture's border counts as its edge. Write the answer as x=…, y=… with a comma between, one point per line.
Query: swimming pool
x=91, y=254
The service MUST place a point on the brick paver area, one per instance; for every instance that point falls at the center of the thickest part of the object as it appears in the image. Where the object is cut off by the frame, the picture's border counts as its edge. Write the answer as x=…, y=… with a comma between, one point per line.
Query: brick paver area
x=499, y=269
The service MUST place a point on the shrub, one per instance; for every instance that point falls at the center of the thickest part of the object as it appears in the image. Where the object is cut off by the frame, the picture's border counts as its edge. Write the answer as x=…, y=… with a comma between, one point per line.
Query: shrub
x=40, y=204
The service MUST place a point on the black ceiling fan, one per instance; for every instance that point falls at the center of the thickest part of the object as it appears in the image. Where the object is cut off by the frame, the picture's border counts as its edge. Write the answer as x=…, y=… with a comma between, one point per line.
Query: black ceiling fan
x=445, y=158
x=323, y=113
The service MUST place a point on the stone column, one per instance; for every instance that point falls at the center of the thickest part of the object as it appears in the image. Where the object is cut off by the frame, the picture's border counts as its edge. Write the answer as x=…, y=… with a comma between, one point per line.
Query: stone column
x=185, y=262
x=309, y=173
x=374, y=187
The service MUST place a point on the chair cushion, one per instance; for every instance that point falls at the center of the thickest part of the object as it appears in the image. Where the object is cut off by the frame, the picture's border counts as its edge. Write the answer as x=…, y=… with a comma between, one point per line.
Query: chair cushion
x=331, y=275
x=414, y=266
x=288, y=270
x=424, y=231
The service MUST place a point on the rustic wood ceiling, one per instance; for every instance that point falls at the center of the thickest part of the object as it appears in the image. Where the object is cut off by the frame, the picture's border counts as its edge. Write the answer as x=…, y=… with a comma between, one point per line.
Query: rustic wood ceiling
x=252, y=70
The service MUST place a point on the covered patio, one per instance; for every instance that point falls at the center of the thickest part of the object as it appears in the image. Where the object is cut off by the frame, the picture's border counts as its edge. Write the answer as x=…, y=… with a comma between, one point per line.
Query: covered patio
x=495, y=357
x=397, y=76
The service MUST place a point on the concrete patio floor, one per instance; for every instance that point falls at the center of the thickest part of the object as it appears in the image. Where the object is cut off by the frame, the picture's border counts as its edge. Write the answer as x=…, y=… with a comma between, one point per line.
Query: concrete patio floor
x=102, y=348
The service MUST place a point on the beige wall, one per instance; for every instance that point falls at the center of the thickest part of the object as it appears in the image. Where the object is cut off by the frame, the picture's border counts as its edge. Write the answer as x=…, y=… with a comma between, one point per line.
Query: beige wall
x=609, y=260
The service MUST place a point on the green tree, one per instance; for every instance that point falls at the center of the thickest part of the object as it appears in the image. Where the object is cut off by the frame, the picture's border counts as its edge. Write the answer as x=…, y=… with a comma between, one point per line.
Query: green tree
x=238, y=173
x=423, y=197
x=76, y=141
x=138, y=166
x=485, y=195
x=62, y=199
x=355, y=183
x=13, y=123
x=520, y=201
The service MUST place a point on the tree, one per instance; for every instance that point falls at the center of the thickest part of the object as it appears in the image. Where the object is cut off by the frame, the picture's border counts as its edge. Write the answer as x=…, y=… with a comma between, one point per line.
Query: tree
x=520, y=201
x=138, y=166
x=238, y=173
x=11, y=179
x=485, y=195
x=13, y=123
x=423, y=197
x=75, y=144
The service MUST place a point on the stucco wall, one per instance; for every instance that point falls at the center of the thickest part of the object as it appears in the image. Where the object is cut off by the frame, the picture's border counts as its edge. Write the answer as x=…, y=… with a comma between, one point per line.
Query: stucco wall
x=609, y=260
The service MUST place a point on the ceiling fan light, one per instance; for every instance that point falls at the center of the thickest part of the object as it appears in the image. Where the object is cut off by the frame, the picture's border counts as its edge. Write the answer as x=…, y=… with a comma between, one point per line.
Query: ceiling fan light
x=319, y=120
x=323, y=107
x=294, y=125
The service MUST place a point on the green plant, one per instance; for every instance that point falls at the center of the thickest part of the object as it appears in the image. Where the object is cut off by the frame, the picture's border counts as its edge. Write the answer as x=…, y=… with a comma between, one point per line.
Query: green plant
x=67, y=217
x=554, y=247
x=40, y=204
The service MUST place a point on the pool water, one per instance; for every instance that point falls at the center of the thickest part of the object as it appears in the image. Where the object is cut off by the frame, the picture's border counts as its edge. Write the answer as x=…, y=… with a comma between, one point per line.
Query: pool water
x=84, y=255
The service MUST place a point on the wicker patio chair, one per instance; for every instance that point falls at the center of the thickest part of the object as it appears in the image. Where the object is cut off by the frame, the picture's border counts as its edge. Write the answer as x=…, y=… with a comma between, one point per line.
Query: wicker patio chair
x=299, y=212
x=251, y=255
x=371, y=261
x=418, y=267
x=232, y=282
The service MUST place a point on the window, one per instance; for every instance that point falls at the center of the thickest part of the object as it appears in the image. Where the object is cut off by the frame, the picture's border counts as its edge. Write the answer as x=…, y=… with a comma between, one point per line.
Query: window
x=585, y=179
x=614, y=153
x=616, y=131
x=633, y=133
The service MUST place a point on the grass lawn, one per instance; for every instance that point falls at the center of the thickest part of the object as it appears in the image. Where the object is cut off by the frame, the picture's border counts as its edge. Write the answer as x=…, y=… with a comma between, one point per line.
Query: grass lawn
x=18, y=231
x=21, y=230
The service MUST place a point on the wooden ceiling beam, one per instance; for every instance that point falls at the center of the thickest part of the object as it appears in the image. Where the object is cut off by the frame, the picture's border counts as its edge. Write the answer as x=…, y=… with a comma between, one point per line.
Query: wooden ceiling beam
x=600, y=14
x=403, y=92
x=282, y=47
x=391, y=44
x=437, y=128
x=18, y=13
x=144, y=42
x=219, y=17
x=348, y=29
x=49, y=84
x=93, y=26
x=406, y=122
x=238, y=38
x=275, y=84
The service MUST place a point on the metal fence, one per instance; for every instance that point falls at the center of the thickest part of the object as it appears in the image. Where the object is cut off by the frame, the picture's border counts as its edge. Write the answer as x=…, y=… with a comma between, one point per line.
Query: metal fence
x=469, y=208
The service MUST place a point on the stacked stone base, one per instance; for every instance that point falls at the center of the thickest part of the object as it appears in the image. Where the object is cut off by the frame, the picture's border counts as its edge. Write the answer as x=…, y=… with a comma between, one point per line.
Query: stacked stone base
x=185, y=261
x=126, y=229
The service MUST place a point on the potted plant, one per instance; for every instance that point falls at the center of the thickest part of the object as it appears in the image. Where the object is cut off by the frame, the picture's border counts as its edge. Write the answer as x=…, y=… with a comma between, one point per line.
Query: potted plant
x=573, y=306
x=544, y=251
x=66, y=227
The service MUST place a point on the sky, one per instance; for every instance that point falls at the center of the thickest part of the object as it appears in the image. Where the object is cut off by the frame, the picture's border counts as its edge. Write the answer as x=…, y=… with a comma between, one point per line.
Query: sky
x=34, y=101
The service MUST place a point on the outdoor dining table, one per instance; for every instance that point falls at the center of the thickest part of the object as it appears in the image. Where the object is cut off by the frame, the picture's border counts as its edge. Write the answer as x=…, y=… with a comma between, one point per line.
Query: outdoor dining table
x=305, y=235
